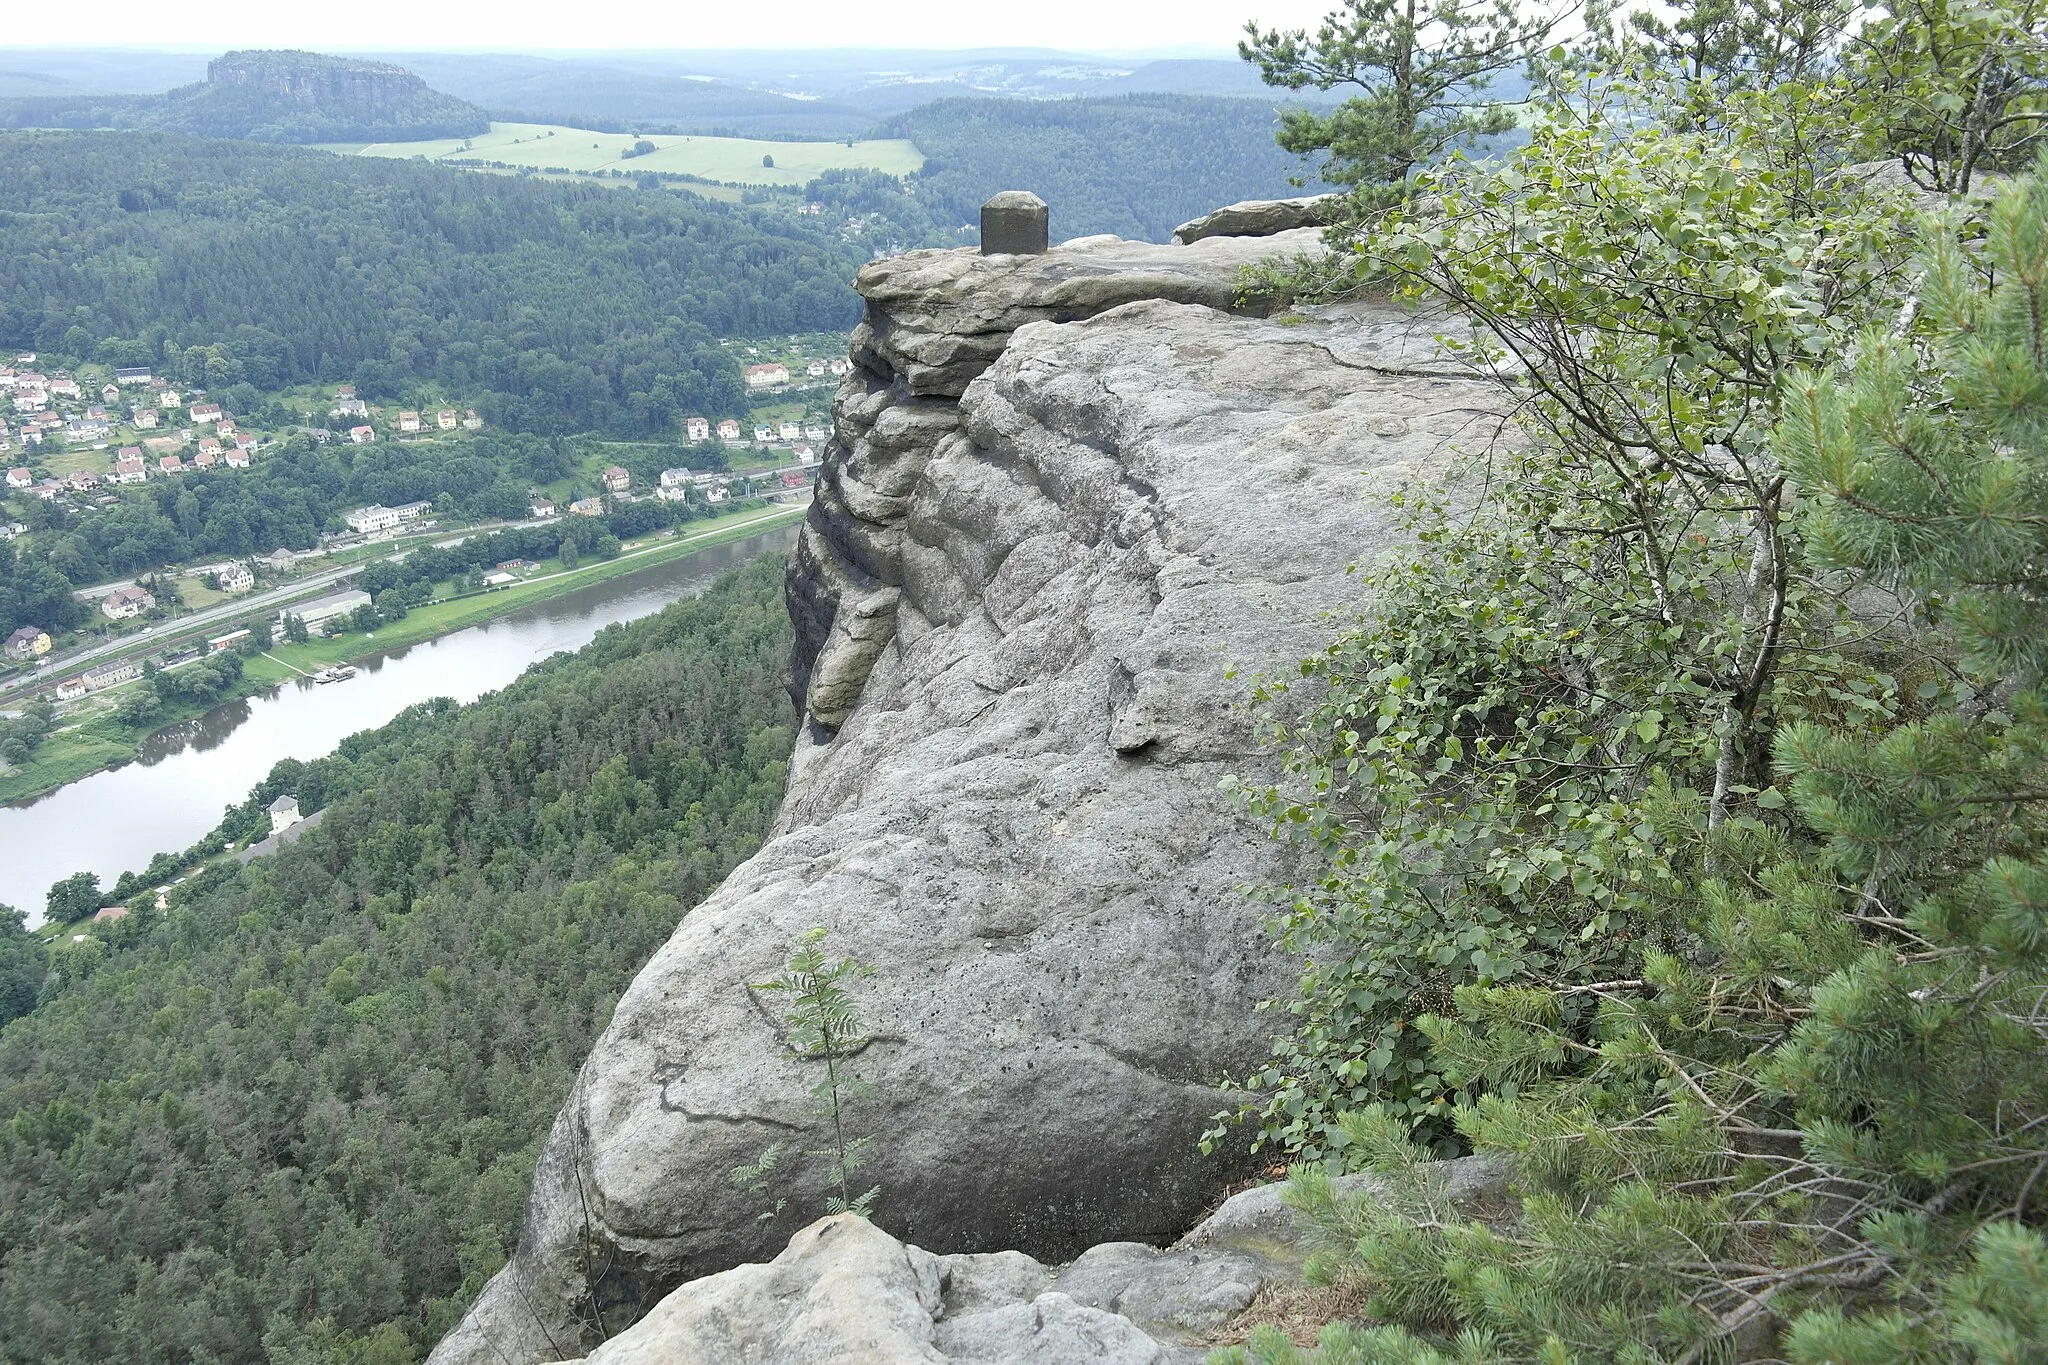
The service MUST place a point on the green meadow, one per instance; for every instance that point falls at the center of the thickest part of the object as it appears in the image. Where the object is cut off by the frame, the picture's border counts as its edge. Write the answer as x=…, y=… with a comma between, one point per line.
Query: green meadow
x=729, y=159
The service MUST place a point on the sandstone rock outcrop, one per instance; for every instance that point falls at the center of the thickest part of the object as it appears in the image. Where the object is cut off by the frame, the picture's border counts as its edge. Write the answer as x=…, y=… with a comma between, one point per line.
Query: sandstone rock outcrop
x=1067, y=495
x=1260, y=218
x=846, y=1292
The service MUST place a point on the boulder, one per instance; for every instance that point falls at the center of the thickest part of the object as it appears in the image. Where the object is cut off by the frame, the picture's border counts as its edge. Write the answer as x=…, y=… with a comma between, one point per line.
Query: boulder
x=1073, y=504
x=844, y=1291
x=1260, y=218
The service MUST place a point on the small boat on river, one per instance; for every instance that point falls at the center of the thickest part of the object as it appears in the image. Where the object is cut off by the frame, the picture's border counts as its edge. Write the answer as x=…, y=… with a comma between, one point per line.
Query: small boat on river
x=338, y=673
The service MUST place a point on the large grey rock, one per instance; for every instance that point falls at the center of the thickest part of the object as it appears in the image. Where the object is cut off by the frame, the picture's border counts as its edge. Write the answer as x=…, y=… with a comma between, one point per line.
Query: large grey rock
x=844, y=1292
x=1260, y=218
x=1013, y=808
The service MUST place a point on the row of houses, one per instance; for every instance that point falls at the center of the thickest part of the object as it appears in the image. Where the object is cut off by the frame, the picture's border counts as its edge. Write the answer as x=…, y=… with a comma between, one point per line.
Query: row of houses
x=773, y=375
x=98, y=679
x=731, y=433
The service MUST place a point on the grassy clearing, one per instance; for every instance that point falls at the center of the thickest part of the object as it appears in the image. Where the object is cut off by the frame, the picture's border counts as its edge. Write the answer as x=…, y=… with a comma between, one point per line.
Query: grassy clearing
x=735, y=160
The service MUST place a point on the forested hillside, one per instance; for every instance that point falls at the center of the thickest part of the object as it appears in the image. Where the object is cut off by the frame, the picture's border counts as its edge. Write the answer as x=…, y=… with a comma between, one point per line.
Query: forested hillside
x=1135, y=165
x=573, y=307
x=292, y=1118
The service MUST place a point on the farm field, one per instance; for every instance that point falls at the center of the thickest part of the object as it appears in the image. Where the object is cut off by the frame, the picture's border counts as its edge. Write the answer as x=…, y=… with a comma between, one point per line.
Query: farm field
x=730, y=159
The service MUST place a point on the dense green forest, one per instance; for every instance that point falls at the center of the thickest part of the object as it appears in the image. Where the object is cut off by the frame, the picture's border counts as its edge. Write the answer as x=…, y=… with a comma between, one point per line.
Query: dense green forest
x=1135, y=165
x=292, y=1118
x=565, y=306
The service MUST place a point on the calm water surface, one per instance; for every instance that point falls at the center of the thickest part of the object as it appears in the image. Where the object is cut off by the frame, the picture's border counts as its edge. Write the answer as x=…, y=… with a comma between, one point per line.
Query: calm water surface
x=186, y=777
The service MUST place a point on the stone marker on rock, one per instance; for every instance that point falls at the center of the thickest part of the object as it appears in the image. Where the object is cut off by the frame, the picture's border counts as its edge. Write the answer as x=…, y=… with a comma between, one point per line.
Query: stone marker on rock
x=1015, y=223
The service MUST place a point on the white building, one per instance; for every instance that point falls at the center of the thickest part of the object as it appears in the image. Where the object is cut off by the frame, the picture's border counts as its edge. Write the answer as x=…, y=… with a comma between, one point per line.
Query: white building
x=765, y=376
x=377, y=517
x=124, y=604
x=284, y=813
x=697, y=428
x=235, y=577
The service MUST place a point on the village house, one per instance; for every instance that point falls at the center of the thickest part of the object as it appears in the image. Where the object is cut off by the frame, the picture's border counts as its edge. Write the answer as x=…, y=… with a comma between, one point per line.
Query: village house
x=82, y=480
x=542, y=509
x=789, y=431
x=88, y=428
x=110, y=394
x=764, y=433
x=284, y=813
x=205, y=412
x=816, y=369
x=445, y=419
x=144, y=418
x=64, y=386
x=167, y=399
x=128, y=467
x=805, y=455
x=344, y=391
x=765, y=376
x=109, y=914
x=170, y=464
x=49, y=489
x=586, y=507
x=675, y=485
x=226, y=428
x=377, y=517
x=234, y=577
x=30, y=642
x=729, y=431
x=716, y=494
x=408, y=421
x=361, y=436
x=696, y=429
x=20, y=478
x=617, y=479
x=238, y=458
x=132, y=375
x=205, y=459
x=111, y=675
x=349, y=407
x=816, y=435
x=228, y=641
x=280, y=560
x=209, y=445
x=472, y=422
x=124, y=604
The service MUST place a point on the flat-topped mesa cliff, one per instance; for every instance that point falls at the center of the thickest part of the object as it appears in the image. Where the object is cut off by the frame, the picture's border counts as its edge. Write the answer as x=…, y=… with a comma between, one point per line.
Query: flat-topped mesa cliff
x=1074, y=500
x=284, y=96
x=313, y=78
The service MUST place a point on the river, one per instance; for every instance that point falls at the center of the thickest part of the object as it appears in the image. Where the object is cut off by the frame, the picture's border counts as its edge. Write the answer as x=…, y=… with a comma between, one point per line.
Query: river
x=187, y=776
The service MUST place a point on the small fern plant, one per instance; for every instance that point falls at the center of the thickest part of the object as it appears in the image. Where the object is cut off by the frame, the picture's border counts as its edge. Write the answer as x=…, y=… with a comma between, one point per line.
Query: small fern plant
x=822, y=1024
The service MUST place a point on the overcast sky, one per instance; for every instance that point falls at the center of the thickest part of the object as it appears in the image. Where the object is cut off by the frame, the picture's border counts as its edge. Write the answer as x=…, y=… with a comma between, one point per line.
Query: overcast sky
x=546, y=25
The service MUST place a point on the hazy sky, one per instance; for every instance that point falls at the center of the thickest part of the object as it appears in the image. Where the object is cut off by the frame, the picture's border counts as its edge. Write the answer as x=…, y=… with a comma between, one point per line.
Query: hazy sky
x=543, y=25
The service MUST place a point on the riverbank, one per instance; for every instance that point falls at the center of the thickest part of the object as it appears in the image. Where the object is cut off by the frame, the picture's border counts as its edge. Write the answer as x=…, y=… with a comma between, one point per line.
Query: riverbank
x=93, y=738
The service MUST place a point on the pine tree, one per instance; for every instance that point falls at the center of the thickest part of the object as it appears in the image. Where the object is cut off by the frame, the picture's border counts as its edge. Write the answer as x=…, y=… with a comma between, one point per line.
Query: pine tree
x=1815, y=1127
x=1422, y=69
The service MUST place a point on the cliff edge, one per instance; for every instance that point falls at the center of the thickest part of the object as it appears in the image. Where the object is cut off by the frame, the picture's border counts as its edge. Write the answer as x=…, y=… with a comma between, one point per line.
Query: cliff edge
x=1073, y=501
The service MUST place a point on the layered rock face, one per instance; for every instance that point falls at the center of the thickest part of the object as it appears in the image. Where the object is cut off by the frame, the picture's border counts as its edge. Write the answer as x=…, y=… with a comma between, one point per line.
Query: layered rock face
x=1068, y=495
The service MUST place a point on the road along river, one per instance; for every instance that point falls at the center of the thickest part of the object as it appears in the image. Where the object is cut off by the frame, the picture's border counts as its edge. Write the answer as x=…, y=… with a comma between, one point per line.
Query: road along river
x=188, y=775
